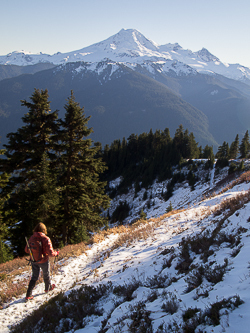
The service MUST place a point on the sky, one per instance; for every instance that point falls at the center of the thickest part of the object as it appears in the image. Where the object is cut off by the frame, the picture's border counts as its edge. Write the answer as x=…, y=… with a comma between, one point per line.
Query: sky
x=51, y=26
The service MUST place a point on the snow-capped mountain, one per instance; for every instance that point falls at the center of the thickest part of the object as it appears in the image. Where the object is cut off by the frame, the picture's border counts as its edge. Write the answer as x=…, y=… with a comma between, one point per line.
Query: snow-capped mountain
x=131, y=48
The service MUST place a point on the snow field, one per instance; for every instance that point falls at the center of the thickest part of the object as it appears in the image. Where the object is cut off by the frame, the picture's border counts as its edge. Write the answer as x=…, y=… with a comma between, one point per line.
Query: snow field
x=144, y=262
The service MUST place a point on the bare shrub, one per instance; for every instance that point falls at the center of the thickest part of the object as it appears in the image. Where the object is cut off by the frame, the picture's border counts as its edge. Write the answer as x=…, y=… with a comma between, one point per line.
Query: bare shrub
x=127, y=289
x=159, y=281
x=65, y=313
x=171, y=305
x=140, y=317
x=195, y=278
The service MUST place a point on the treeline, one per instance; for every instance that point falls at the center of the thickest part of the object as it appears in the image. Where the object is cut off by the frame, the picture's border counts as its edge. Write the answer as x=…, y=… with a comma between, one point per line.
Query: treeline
x=50, y=173
x=142, y=158
x=236, y=149
x=145, y=157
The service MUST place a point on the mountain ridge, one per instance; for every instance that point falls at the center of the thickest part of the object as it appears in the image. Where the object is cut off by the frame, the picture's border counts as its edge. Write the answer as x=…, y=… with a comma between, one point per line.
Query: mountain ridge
x=130, y=46
x=101, y=76
x=128, y=103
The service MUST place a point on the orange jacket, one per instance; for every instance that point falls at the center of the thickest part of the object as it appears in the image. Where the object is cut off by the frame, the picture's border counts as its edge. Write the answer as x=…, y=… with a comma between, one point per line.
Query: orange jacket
x=47, y=248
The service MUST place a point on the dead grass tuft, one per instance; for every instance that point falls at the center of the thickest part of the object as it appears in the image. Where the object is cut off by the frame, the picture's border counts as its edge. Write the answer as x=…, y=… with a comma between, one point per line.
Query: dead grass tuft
x=233, y=204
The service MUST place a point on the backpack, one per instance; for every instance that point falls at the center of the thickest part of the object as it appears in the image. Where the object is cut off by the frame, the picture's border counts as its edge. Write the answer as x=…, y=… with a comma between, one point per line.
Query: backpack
x=36, y=247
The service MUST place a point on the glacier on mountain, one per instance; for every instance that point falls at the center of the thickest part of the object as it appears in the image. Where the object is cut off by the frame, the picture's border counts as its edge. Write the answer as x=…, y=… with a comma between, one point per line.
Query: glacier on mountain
x=131, y=48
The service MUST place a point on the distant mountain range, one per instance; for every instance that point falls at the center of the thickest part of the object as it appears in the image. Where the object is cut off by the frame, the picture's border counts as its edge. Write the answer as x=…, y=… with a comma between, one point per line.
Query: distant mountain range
x=129, y=84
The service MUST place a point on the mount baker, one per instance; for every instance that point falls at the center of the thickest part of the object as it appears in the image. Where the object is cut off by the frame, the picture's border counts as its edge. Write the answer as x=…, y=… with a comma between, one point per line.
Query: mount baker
x=129, y=84
x=130, y=47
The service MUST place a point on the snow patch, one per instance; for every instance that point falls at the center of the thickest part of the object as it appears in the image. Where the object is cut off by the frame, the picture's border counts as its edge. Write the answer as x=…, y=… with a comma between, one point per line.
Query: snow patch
x=131, y=48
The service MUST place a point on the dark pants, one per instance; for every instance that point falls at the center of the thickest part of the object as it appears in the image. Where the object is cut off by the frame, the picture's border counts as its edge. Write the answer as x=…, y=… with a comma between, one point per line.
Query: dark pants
x=45, y=267
x=36, y=270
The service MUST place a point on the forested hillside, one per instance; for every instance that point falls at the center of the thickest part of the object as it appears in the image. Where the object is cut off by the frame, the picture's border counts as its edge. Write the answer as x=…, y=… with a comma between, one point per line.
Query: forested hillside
x=52, y=172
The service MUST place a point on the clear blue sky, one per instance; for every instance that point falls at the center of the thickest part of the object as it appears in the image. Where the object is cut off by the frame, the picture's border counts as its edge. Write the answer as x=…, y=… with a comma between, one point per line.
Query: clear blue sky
x=50, y=26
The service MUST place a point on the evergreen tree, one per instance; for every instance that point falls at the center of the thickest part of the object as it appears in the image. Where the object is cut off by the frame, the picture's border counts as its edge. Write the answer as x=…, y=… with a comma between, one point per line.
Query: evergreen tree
x=179, y=141
x=5, y=251
x=209, y=155
x=192, y=147
x=24, y=153
x=223, y=151
x=245, y=146
x=45, y=193
x=208, y=152
x=143, y=215
x=169, y=208
x=82, y=192
x=234, y=148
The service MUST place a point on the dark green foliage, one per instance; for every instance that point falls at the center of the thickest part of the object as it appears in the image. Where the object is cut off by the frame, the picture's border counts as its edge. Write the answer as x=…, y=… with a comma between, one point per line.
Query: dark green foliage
x=176, y=178
x=121, y=212
x=82, y=192
x=191, y=179
x=145, y=195
x=223, y=151
x=143, y=215
x=54, y=172
x=24, y=154
x=222, y=162
x=241, y=166
x=245, y=146
x=232, y=168
x=5, y=251
x=142, y=158
x=234, y=148
x=185, y=144
x=46, y=194
x=169, y=208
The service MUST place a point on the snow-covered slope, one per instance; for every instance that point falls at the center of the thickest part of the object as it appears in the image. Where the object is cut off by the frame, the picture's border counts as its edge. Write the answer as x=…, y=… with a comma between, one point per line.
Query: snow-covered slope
x=186, y=271
x=130, y=47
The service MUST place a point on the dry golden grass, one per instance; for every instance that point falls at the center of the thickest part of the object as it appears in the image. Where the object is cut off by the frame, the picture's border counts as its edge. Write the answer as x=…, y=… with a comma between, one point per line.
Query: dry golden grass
x=142, y=229
x=233, y=204
x=243, y=178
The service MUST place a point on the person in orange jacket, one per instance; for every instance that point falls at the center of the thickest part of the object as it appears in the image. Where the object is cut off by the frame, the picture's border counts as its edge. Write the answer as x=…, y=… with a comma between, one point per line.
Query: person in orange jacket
x=42, y=262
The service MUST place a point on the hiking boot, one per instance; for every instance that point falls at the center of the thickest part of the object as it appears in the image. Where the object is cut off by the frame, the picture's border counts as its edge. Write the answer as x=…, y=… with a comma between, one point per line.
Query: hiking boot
x=28, y=298
x=51, y=287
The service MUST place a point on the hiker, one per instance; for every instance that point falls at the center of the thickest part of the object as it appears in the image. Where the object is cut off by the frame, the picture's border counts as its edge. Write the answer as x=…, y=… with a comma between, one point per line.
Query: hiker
x=41, y=248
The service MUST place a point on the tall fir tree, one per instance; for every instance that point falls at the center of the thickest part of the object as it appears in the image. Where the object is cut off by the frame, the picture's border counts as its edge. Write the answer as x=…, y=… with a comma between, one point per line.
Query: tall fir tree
x=234, y=148
x=245, y=146
x=192, y=147
x=5, y=251
x=223, y=151
x=46, y=195
x=24, y=153
x=82, y=192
